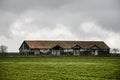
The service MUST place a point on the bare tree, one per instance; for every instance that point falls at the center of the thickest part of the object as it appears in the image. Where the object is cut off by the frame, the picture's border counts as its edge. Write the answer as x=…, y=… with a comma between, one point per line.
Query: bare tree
x=115, y=50
x=3, y=49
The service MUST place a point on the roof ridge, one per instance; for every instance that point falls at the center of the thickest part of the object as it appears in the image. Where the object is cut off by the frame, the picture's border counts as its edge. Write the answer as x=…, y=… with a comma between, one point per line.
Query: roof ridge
x=64, y=40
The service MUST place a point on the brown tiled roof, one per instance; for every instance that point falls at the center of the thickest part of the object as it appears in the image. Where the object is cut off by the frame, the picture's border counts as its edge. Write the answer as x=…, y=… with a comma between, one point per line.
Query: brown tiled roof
x=65, y=44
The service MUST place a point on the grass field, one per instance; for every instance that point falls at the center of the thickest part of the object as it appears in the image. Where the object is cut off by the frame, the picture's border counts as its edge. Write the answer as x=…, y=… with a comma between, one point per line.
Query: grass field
x=60, y=68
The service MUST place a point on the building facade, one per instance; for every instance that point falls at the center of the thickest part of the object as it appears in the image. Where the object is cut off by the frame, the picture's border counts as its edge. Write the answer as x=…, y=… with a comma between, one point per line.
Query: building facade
x=64, y=47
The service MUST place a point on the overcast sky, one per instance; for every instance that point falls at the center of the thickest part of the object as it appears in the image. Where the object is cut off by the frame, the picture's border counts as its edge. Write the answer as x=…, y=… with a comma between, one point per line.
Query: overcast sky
x=59, y=20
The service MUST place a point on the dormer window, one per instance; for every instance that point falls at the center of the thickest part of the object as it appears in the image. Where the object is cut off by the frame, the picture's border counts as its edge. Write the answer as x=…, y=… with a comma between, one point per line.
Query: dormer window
x=94, y=47
x=76, y=47
x=57, y=47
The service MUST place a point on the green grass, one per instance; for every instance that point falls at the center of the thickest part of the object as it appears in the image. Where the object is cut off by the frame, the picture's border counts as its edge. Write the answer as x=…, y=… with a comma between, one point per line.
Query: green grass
x=60, y=68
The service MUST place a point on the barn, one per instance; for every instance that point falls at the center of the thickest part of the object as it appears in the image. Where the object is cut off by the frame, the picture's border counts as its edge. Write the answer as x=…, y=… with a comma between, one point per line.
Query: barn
x=64, y=47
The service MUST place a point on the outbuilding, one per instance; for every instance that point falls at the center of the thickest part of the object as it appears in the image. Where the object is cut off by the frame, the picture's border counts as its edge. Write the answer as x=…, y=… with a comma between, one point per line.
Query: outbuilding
x=64, y=47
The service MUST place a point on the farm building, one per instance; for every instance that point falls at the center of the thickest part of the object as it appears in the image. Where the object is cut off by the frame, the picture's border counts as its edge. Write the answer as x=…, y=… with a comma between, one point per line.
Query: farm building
x=64, y=47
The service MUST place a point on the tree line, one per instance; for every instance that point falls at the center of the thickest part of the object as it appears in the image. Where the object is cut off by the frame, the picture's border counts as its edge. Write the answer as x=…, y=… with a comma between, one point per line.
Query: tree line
x=3, y=49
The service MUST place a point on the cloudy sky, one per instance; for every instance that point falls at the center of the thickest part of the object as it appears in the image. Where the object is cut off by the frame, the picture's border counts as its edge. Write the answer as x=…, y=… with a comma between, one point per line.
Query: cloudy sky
x=59, y=20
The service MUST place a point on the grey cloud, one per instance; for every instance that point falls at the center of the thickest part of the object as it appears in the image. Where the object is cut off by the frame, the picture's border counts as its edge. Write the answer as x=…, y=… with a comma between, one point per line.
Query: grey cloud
x=78, y=5
x=22, y=5
x=68, y=12
x=5, y=21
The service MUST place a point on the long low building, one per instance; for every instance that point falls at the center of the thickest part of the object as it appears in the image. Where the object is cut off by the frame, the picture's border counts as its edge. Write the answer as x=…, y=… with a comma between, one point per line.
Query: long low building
x=64, y=47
